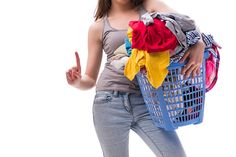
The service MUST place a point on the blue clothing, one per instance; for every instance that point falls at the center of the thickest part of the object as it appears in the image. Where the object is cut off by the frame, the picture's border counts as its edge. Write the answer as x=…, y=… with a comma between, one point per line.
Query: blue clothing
x=192, y=37
x=116, y=113
x=128, y=46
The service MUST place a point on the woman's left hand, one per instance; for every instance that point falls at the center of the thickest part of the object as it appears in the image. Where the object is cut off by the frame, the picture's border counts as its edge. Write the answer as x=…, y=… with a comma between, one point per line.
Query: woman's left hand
x=195, y=55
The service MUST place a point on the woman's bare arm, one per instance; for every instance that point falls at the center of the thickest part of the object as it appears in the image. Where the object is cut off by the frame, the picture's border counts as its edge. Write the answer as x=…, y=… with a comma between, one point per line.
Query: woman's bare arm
x=94, y=49
x=157, y=6
x=88, y=80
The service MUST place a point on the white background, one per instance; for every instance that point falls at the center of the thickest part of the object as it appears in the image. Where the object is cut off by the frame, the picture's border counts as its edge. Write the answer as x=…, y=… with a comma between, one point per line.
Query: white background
x=42, y=116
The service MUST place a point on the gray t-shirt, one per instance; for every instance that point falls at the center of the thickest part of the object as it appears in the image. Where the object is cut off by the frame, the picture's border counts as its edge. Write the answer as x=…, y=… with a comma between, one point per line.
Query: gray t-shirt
x=112, y=78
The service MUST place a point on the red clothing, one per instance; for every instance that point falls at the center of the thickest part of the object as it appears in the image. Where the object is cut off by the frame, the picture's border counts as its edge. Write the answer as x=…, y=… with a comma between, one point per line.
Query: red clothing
x=212, y=67
x=155, y=37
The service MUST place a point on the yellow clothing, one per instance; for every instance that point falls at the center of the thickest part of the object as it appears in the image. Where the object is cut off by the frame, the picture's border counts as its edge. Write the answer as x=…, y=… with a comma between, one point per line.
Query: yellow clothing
x=129, y=34
x=155, y=63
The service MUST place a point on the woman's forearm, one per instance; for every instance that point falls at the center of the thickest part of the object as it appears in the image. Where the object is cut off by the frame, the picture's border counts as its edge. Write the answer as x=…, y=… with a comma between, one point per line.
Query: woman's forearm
x=85, y=83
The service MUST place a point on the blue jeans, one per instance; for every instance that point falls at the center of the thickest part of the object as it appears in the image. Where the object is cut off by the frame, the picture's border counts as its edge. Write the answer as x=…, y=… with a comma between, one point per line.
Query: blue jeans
x=115, y=113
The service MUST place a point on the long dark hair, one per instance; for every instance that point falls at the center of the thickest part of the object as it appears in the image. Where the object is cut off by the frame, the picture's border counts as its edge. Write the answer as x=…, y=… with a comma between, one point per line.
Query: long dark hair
x=104, y=5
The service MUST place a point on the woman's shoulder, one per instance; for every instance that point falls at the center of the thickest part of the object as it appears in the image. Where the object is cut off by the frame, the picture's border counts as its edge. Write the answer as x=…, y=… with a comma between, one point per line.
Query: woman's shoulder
x=96, y=28
x=157, y=6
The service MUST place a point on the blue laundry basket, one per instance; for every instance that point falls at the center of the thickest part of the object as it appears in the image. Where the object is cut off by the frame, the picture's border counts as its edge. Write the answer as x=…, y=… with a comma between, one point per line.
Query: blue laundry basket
x=178, y=101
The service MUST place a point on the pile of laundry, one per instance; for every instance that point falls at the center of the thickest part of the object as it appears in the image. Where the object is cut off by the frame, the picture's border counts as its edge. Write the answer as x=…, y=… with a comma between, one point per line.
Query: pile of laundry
x=159, y=39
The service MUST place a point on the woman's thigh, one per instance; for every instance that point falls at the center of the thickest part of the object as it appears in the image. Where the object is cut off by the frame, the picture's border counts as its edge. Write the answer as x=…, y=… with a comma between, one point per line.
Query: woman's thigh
x=162, y=143
x=112, y=124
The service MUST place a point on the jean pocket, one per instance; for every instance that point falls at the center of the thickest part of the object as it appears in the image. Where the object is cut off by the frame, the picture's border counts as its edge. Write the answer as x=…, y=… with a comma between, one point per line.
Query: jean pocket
x=102, y=97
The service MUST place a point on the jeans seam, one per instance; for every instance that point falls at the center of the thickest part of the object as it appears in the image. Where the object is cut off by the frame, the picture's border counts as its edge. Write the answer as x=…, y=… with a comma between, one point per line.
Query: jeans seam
x=142, y=131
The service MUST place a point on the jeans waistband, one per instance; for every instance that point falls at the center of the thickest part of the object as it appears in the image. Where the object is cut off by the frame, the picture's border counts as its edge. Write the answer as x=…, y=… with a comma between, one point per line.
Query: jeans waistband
x=118, y=93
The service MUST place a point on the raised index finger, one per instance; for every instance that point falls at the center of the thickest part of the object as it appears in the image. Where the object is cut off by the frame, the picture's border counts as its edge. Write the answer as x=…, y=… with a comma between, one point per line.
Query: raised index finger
x=77, y=61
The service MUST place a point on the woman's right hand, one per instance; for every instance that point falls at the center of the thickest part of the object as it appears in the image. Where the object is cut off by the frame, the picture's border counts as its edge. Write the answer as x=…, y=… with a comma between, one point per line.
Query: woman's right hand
x=73, y=75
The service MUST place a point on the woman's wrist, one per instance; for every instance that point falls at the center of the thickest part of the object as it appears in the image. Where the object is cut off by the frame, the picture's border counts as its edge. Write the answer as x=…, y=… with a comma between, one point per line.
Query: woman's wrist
x=85, y=83
x=200, y=45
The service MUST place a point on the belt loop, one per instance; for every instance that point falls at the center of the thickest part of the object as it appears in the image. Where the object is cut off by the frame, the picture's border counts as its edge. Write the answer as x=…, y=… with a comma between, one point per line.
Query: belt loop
x=116, y=93
x=127, y=95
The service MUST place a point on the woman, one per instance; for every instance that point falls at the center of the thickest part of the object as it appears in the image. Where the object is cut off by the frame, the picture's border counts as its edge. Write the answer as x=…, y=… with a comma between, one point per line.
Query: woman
x=118, y=104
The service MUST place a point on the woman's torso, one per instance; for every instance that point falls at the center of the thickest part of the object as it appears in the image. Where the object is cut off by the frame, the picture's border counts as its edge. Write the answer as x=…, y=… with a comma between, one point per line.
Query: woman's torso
x=112, y=78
